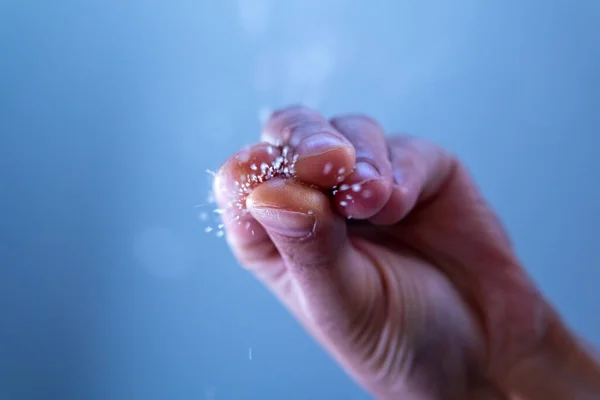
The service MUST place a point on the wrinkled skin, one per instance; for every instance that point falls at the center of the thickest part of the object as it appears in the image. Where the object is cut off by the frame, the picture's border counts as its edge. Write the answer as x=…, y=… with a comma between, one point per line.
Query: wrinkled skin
x=419, y=294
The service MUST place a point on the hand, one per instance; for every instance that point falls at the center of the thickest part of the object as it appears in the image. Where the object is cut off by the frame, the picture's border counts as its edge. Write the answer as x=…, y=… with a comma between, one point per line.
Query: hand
x=387, y=253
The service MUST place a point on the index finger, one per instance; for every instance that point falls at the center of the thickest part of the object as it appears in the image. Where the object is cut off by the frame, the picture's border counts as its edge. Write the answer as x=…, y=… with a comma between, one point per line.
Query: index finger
x=323, y=156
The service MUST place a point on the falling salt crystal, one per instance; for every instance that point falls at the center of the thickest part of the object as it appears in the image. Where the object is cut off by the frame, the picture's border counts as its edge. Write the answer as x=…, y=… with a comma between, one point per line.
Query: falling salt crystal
x=210, y=198
x=220, y=226
x=327, y=168
x=219, y=211
x=344, y=187
x=211, y=172
x=203, y=216
x=343, y=203
x=253, y=167
x=341, y=170
x=348, y=197
x=208, y=229
x=220, y=233
x=356, y=187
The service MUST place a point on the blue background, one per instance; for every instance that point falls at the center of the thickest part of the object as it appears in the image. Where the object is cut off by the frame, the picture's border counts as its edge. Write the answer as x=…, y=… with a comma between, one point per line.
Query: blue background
x=110, y=111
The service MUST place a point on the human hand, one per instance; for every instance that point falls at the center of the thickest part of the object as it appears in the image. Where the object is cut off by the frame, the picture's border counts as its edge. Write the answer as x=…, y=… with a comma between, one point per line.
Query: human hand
x=385, y=250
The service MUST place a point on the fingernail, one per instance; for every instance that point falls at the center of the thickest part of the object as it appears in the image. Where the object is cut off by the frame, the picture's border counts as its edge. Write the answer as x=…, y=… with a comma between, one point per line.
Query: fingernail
x=319, y=143
x=283, y=222
x=366, y=171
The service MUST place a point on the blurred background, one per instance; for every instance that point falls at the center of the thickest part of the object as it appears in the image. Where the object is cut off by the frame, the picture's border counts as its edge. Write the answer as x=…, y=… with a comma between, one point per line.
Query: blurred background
x=111, y=111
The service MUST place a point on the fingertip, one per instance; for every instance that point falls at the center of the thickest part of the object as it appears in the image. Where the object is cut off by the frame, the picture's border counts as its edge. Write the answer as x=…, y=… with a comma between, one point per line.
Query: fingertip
x=327, y=168
x=243, y=171
x=362, y=200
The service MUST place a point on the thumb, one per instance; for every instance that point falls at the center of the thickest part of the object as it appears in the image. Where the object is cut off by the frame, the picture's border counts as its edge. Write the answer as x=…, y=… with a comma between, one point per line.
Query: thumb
x=330, y=277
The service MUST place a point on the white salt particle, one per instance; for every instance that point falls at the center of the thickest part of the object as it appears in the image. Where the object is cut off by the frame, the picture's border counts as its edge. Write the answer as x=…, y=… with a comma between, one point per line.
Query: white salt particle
x=356, y=187
x=341, y=170
x=344, y=187
x=208, y=229
x=310, y=212
x=220, y=233
x=219, y=211
x=348, y=197
x=253, y=167
x=343, y=203
x=211, y=172
x=327, y=168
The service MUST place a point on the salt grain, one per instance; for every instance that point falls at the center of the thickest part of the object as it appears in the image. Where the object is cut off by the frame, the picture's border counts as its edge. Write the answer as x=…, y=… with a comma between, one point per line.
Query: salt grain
x=282, y=166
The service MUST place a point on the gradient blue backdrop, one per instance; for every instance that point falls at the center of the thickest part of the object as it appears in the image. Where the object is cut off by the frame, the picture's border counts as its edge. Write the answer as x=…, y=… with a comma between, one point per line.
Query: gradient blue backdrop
x=110, y=111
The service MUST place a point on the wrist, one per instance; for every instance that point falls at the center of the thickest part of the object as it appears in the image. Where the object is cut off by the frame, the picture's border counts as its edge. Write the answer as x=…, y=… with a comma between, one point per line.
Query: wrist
x=563, y=368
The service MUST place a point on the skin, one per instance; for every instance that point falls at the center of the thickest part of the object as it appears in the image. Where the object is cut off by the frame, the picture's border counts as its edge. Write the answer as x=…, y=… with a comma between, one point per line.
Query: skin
x=419, y=295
